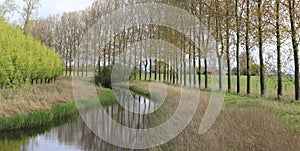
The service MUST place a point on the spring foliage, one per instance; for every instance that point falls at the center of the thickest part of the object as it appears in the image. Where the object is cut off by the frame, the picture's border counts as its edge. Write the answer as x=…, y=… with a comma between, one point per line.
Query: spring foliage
x=23, y=59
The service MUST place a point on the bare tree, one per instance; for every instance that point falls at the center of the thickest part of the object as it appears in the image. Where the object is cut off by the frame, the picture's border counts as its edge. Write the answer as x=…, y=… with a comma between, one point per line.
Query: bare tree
x=7, y=7
x=28, y=9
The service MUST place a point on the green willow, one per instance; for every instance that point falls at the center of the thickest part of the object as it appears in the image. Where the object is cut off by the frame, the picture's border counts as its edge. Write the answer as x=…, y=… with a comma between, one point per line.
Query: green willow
x=25, y=60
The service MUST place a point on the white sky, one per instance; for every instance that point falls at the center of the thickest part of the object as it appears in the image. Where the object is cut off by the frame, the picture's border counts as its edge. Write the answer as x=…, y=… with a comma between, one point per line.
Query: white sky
x=51, y=7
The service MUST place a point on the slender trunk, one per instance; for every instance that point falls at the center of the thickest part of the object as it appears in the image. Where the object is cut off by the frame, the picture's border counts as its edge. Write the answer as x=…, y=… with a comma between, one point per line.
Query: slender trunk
x=237, y=48
x=295, y=46
x=141, y=67
x=194, y=65
x=99, y=64
x=155, y=72
x=261, y=58
x=184, y=67
x=181, y=65
x=279, y=72
x=66, y=64
x=190, y=67
x=70, y=63
x=248, y=47
x=220, y=73
x=150, y=53
x=159, y=66
x=174, y=75
x=199, y=62
x=104, y=57
x=114, y=52
x=206, y=74
x=146, y=65
x=82, y=69
x=227, y=46
x=150, y=67
x=135, y=62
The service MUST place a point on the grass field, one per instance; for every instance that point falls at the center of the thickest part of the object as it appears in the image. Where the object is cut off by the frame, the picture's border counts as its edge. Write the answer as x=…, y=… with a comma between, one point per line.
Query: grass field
x=271, y=85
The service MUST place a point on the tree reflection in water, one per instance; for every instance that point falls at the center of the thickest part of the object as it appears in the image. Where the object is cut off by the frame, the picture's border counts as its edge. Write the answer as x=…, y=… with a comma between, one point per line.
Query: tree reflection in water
x=77, y=136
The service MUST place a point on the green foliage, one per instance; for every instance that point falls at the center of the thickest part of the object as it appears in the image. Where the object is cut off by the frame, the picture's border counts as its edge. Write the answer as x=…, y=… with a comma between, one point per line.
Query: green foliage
x=140, y=91
x=234, y=71
x=104, y=77
x=107, y=97
x=254, y=70
x=244, y=71
x=24, y=59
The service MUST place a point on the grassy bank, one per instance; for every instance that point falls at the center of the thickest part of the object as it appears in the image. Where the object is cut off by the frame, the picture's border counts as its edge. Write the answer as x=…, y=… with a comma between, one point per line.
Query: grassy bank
x=245, y=123
x=56, y=113
x=140, y=91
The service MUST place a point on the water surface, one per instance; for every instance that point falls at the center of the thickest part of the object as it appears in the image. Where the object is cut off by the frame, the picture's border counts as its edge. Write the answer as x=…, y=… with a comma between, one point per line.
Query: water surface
x=74, y=135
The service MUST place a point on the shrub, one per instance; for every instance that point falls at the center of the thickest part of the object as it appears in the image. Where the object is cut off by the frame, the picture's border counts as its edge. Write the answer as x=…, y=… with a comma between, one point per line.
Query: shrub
x=104, y=77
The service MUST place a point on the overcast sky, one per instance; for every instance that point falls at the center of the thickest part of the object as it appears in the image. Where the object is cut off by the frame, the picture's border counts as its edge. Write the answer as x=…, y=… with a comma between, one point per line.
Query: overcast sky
x=59, y=6
x=49, y=7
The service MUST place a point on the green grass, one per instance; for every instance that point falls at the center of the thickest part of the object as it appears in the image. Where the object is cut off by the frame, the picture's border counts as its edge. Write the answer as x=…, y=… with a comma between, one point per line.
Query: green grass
x=38, y=118
x=107, y=97
x=46, y=117
x=271, y=85
x=140, y=91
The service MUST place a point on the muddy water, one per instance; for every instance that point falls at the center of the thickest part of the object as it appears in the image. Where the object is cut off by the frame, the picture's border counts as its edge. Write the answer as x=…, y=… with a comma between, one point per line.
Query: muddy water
x=75, y=135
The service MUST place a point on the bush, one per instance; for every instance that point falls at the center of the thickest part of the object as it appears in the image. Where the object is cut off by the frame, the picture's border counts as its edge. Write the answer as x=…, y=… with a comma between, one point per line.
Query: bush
x=104, y=77
x=243, y=71
x=255, y=70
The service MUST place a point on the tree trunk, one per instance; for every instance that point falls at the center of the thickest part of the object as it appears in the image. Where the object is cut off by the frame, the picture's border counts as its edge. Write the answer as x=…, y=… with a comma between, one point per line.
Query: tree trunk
x=199, y=62
x=206, y=74
x=227, y=46
x=248, y=47
x=279, y=72
x=184, y=67
x=295, y=46
x=261, y=58
x=238, y=87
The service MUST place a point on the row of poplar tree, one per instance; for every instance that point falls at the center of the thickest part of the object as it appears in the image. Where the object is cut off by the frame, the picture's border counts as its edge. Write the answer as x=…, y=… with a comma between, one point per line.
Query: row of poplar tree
x=238, y=26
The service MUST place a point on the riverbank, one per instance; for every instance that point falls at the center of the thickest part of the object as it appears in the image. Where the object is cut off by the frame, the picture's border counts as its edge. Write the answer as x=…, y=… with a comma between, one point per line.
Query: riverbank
x=245, y=123
x=41, y=105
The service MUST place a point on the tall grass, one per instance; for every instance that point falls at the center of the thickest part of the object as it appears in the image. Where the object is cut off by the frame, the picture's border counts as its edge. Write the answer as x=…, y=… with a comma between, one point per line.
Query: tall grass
x=38, y=118
x=56, y=113
x=245, y=123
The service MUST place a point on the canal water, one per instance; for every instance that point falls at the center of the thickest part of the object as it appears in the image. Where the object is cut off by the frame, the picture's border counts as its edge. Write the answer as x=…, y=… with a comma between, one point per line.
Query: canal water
x=74, y=135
